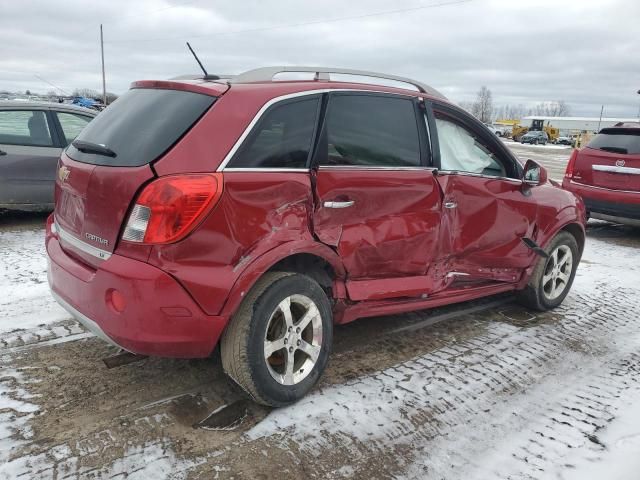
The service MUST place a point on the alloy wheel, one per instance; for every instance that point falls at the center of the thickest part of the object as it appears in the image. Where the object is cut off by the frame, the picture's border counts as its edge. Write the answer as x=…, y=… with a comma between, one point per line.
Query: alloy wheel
x=557, y=272
x=293, y=339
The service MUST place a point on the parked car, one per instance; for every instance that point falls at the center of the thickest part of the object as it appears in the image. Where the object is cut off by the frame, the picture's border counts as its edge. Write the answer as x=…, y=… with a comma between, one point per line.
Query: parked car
x=606, y=174
x=564, y=141
x=267, y=211
x=32, y=136
x=496, y=131
x=535, y=137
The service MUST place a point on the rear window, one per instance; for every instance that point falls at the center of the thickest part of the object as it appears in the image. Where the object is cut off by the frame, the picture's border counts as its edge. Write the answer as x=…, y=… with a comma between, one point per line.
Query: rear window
x=622, y=141
x=140, y=126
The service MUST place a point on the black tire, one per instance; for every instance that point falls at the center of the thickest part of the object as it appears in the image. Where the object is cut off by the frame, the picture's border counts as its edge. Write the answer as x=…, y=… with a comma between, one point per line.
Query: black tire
x=243, y=342
x=535, y=142
x=533, y=295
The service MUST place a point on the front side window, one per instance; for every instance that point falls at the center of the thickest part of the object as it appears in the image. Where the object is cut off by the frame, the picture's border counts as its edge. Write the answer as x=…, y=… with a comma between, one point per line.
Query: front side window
x=72, y=124
x=25, y=127
x=282, y=138
x=372, y=130
x=462, y=151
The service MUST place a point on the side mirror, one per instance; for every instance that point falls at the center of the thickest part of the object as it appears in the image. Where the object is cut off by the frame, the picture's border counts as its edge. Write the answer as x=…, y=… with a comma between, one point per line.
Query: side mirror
x=534, y=173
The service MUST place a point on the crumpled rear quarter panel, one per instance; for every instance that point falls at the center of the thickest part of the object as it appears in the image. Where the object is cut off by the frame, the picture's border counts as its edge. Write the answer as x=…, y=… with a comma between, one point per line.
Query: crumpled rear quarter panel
x=257, y=212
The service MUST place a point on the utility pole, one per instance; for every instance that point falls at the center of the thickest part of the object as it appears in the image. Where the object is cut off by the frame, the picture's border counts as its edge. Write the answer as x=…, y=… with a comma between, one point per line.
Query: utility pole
x=638, y=107
x=600, y=121
x=104, y=85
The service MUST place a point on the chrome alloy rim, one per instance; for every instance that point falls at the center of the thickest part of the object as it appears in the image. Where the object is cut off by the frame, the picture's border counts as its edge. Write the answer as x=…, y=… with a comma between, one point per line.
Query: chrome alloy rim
x=557, y=272
x=293, y=339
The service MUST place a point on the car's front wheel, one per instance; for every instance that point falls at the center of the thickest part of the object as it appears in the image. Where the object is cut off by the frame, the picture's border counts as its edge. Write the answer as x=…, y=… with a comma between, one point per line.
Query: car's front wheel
x=553, y=276
x=277, y=345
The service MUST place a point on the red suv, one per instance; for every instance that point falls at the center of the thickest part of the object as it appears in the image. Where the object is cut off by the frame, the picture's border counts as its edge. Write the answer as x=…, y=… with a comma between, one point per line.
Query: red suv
x=606, y=174
x=259, y=212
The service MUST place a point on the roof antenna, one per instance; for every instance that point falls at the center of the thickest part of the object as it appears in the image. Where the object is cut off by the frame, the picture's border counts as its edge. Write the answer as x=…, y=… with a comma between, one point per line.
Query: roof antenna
x=206, y=75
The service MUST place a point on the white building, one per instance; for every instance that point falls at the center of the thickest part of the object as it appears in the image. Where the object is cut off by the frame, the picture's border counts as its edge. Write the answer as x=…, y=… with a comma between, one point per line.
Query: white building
x=576, y=124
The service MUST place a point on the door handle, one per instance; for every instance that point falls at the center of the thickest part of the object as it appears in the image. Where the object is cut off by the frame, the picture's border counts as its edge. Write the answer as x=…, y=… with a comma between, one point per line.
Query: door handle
x=450, y=204
x=338, y=204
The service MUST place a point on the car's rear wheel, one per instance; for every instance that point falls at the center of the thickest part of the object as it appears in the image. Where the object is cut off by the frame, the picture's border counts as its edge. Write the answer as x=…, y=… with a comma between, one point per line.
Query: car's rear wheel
x=553, y=276
x=278, y=343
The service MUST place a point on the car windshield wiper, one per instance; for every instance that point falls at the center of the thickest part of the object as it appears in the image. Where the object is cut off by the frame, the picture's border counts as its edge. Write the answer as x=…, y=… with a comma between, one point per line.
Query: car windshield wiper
x=88, y=147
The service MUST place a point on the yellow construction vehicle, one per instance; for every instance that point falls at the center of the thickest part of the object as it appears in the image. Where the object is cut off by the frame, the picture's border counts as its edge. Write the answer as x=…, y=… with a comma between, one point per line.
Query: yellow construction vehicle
x=517, y=130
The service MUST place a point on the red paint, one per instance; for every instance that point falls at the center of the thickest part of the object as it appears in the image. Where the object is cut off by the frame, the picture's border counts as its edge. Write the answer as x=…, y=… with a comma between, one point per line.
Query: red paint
x=395, y=249
x=147, y=325
x=611, y=193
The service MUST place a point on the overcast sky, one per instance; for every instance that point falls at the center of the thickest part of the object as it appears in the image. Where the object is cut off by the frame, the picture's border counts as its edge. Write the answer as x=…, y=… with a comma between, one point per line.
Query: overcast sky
x=586, y=52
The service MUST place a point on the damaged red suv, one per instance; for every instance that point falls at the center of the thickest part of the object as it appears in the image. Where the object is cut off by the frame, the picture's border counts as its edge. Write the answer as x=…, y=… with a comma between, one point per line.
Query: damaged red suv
x=258, y=212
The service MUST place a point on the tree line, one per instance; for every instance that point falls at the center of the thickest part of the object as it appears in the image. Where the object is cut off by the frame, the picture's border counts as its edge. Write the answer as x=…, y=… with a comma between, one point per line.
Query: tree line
x=483, y=109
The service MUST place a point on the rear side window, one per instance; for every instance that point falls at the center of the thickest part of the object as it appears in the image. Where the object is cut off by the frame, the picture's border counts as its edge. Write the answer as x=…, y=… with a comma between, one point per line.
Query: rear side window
x=372, y=130
x=625, y=141
x=25, y=127
x=72, y=124
x=282, y=138
x=140, y=126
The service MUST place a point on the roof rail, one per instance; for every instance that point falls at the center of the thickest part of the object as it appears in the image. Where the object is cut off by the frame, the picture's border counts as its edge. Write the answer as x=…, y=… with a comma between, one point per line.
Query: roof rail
x=266, y=74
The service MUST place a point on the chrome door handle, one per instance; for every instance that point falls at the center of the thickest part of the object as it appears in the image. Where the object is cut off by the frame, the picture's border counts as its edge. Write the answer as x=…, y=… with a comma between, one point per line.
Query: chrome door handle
x=338, y=204
x=450, y=204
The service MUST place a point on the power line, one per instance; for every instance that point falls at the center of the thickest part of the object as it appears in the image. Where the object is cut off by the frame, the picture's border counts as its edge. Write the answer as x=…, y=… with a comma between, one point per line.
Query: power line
x=299, y=24
x=141, y=14
x=47, y=81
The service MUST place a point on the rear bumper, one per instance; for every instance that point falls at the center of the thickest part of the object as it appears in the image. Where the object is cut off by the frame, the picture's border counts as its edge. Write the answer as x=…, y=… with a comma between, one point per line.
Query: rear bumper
x=605, y=202
x=159, y=317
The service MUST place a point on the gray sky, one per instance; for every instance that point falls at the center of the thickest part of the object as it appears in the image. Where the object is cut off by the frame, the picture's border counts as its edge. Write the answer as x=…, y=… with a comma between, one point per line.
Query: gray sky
x=583, y=51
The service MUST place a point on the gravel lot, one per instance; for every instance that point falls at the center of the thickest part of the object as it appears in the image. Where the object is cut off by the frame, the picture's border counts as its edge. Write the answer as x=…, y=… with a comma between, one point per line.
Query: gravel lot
x=479, y=391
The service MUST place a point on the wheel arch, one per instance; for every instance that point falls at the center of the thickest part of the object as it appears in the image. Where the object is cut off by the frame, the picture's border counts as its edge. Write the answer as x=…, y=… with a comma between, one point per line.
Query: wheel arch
x=577, y=231
x=313, y=259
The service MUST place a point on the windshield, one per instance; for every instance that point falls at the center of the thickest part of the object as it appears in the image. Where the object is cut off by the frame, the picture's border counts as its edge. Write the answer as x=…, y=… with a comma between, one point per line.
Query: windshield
x=625, y=141
x=139, y=127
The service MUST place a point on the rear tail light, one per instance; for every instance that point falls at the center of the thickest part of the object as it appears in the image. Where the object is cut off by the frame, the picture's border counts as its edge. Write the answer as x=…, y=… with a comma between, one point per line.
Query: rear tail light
x=170, y=207
x=572, y=164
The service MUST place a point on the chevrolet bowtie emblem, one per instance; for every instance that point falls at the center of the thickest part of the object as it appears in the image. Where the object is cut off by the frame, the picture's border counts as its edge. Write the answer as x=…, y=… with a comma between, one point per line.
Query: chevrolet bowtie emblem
x=63, y=173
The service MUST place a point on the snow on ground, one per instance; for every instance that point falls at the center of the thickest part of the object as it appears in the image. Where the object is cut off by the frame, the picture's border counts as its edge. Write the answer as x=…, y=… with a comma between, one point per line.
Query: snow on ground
x=511, y=396
x=25, y=301
x=543, y=425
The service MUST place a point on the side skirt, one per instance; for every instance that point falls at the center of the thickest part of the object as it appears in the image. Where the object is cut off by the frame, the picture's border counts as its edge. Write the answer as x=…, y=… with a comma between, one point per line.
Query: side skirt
x=347, y=312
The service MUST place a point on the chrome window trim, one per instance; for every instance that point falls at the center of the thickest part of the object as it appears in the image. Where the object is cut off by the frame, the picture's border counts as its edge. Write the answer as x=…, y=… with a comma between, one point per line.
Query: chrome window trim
x=267, y=169
x=480, y=175
x=81, y=245
x=273, y=101
x=616, y=169
x=374, y=167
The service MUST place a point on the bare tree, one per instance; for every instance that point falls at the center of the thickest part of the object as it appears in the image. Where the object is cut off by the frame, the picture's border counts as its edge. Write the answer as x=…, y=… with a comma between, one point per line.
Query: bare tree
x=551, y=109
x=86, y=92
x=111, y=97
x=483, y=106
x=466, y=105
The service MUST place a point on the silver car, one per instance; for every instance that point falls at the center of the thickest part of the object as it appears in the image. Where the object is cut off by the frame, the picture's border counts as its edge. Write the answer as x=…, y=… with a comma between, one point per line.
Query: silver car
x=32, y=136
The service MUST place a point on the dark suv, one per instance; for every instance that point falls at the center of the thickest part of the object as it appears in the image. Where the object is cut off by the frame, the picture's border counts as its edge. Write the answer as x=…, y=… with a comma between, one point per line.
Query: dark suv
x=259, y=213
x=535, y=137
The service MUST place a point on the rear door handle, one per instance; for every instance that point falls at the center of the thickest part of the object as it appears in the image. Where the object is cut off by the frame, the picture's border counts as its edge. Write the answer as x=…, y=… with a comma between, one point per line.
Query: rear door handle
x=338, y=204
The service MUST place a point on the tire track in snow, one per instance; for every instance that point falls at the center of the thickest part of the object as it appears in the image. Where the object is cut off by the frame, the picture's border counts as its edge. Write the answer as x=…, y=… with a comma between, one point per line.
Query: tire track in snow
x=512, y=403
